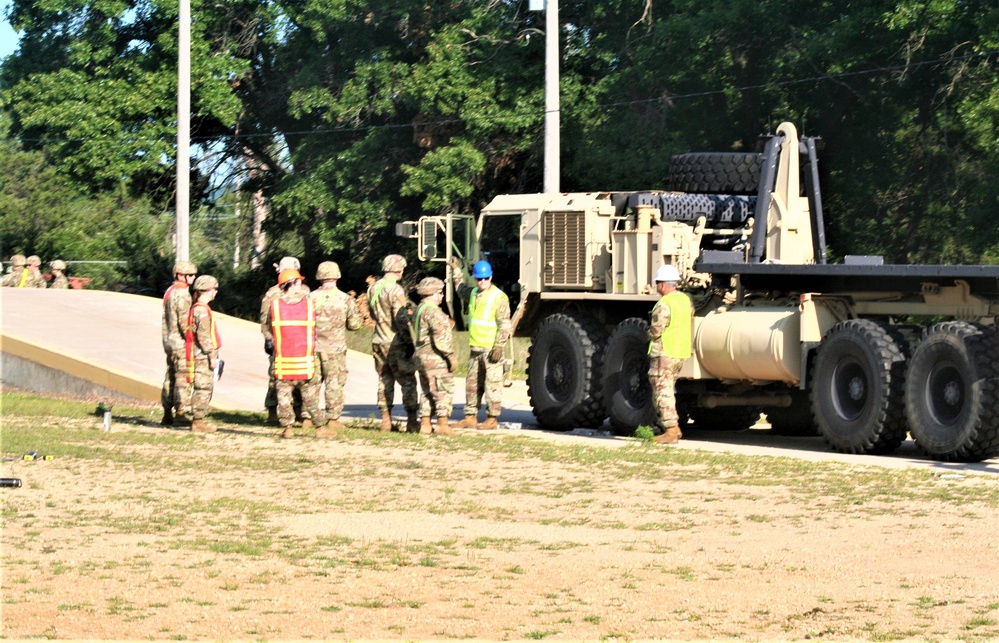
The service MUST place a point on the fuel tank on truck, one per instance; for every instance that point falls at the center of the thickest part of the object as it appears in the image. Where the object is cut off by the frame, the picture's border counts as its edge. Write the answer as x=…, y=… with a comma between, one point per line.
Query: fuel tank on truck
x=762, y=344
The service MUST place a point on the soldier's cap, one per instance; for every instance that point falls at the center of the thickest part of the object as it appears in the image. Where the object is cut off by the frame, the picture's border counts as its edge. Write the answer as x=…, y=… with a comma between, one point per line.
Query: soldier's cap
x=288, y=275
x=288, y=263
x=34, y=260
x=17, y=261
x=58, y=264
x=205, y=282
x=185, y=268
x=393, y=263
x=328, y=270
x=429, y=286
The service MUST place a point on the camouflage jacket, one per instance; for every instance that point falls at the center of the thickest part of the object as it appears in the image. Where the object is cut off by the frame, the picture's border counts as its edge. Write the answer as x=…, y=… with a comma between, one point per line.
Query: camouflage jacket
x=35, y=280
x=176, y=304
x=204, y=335
x=60, y=282
x=336, y=313
x=432, y=331
x=386, y=299
x=13, y=278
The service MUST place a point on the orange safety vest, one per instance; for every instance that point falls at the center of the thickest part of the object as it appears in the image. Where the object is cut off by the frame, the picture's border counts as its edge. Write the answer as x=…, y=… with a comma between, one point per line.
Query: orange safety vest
x=294, y=330
x=189, y=347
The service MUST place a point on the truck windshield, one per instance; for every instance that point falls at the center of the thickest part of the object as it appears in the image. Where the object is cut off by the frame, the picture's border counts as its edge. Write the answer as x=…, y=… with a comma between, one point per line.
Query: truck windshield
x=499, y=244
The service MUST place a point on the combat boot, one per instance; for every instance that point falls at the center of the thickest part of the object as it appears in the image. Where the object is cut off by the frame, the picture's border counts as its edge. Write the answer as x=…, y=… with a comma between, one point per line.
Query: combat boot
x=324, y=432
x=469, y=422
x=335, y=425
x=181, y=419
x=202, y=426
x=272, y=417
x=413, y=422
x=442, y=427
x=386, y=421
x=425, y=425
x=671, y=435
x=167, y=417
x=489, y=425
x=287, y=432
x=307, y=424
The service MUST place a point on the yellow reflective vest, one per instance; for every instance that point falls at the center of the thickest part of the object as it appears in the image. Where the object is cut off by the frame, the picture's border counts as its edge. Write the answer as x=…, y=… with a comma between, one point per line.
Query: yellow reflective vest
x=482, y=326
x=676, y=338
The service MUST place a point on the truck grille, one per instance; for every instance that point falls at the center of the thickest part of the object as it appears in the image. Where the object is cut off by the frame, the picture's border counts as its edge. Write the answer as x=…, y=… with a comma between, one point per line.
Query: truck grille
x=565, y=260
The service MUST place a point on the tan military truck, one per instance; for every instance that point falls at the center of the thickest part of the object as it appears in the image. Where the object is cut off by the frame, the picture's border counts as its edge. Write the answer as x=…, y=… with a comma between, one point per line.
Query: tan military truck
x=861, y=352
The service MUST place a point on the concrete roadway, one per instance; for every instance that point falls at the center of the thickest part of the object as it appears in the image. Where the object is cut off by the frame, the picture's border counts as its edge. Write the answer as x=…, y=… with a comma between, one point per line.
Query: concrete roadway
x=105, y=344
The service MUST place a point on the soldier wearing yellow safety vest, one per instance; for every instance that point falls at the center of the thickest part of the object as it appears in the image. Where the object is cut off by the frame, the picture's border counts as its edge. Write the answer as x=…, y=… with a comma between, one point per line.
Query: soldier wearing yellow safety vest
x=669, y=346
x=292, y=321
x=489, y=330
x=18, y=275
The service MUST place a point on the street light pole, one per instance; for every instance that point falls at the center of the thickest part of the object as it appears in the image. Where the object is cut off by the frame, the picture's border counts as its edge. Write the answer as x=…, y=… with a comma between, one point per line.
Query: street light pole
x=552, y=123
x=183, y=244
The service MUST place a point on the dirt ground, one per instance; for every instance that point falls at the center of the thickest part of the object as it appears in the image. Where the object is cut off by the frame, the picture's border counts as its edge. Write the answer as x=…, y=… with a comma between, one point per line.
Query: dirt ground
x=153, y=533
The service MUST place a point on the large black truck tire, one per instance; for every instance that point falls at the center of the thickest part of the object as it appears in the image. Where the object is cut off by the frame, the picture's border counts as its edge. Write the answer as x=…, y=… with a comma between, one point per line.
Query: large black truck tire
x=952, y=392
x=626, y=389
x=857, y=383
x=563, y=372
x=716, y=173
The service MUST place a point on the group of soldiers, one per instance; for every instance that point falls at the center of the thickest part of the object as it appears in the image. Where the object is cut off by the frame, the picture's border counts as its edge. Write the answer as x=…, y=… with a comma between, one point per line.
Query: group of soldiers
x=305, y=337
x=25, y=272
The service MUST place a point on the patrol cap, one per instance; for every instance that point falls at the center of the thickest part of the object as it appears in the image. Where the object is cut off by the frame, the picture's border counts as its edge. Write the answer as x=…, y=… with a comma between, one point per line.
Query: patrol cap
x=328, y=270
x=288, y=275
x=668, y=273
x=205, y=282
x=393, y=263
x=34, y=260
x=58, y=264
x=288, y=263
x=429, y=286
x=17, y=260
x=185, y=268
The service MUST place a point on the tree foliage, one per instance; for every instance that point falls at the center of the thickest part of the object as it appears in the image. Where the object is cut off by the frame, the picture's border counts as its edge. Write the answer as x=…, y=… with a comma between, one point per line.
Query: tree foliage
x=352, y=115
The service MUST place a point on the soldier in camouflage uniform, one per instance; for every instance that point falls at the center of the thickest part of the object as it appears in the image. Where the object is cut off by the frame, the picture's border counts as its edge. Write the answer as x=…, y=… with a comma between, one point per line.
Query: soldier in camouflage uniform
x=292, y=320
x=35, y=278
x=59, y=280
x=434, y=342
x=391, y=344
x=176, y=394
x=669, y=346
x=489, y=330
x=270, y=400
x=336, y=313
x=202, y=344
x=17, y=275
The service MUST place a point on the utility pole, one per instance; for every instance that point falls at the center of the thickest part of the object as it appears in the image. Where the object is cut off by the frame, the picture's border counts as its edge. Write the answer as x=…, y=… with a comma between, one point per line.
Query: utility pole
x=183, y=241
x=553, y=167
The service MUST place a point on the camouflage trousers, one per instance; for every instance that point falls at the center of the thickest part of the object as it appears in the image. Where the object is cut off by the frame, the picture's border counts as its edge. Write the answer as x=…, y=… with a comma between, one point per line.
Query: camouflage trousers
x=271, y=400
x=437, y=383
x=332, y=368
x=484, y=379
x=663, y=372
x=176, y=393
x=393, y=366
x=309, y=389
x=204, y=386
